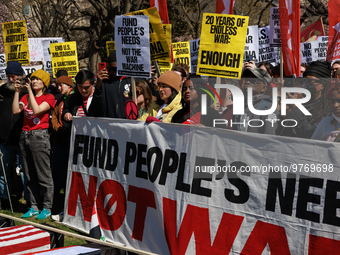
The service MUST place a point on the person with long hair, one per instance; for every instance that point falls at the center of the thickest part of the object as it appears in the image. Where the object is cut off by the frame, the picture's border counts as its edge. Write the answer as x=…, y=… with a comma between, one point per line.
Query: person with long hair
x=144, y=97
x=190, y=114
x=169, y=101
x=35, y=141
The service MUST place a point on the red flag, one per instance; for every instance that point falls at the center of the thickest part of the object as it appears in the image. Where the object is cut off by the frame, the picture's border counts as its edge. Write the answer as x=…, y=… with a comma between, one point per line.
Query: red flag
x=162, y=9
x=290, y=35
x=225, y=6
x=333, y=50
x=312, y=32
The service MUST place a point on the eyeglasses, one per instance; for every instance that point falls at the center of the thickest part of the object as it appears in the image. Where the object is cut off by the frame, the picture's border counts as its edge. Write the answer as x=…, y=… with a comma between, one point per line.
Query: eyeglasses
x=138, y=92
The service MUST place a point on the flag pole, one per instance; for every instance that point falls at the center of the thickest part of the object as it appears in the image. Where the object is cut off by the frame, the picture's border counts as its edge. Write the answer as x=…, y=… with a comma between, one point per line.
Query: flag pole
x=281, y=66
x=323, y=29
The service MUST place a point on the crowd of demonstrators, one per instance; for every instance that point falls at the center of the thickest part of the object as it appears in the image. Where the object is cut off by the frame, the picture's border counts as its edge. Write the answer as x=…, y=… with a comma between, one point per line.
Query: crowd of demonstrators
x=35, y=141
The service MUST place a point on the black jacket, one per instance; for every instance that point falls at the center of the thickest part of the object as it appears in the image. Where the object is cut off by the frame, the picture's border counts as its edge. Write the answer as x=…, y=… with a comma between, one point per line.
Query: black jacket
x=10, y=124
x=75, y=100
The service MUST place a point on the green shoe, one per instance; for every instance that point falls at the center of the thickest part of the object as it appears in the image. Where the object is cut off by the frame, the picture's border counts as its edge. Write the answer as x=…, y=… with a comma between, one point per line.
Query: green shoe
x=43, y=215
x=31, y=212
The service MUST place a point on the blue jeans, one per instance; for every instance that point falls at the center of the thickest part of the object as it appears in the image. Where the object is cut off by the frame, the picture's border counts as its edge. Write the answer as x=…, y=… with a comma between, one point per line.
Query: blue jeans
x=36, y=154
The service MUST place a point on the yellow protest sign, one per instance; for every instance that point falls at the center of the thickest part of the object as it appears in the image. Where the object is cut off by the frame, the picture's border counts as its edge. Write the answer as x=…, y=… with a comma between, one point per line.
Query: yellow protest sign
x=165, y=64
x=64, y=57
x=181, y=51
x=159, y=47
x=16, y=41
x=221, y=50
x=110, y=46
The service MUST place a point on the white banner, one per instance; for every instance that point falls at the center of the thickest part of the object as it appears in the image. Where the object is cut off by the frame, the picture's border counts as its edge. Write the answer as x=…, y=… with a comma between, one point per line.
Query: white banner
x=307, y=52
x=133, y=46
x=266, y=53
x=3, y=67
x=36, y=47
x=47, y=54
x=252, y=43
x=178, y=189
x=194, y=48
x=321, y=50
x=275, y=36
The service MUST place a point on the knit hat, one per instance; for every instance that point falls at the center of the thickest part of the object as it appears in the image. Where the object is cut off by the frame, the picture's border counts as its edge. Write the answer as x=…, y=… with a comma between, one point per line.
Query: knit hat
x=171, y=79
x=14, y=67
x=65, y=79
x=260, y=74
x=319, y=69
x=42, y=75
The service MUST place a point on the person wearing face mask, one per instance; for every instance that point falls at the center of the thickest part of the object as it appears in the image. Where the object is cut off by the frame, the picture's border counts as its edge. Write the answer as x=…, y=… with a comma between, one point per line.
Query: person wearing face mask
x=329, y=127
x=115, y=89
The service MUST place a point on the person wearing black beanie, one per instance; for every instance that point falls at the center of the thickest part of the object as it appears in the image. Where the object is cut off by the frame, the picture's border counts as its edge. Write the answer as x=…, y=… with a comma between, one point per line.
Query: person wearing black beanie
x=317, y=81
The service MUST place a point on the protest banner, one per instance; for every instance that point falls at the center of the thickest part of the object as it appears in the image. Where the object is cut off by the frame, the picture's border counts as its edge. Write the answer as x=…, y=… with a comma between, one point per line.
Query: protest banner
x=159, y=48
x=64, y=57
x=3, y=67
x=181, y=51
x=47, y=53
x=16, y=41
x=31, y=69
x=110, y=46
x=266, y=53
x=37, y=49
x=252, y=44
x=194, y=49
x=205, y=190
x=222, y=44
x=333, y=52
x=275, y=36
x=132, y=49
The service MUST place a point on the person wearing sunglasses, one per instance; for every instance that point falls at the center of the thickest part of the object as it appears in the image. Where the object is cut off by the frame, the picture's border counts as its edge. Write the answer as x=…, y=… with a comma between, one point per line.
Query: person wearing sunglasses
x=169, y=100
x=329, y=127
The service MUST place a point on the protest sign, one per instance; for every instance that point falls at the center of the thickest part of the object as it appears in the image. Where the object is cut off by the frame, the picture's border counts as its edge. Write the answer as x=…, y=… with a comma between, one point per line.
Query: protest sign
x=37, y=49
x=110, y=46
x=222, y=44
x=181, y=51
x=252, y=43
x=64, y=57
x=47, y=53
x=275, y=36
x=194, y=49
x=307, y=52
x=3, y=67
x=205, y=190
x=16, y=41
x=159, y=48
x=266, y=53
x=321, y=50
x=31, y=69
x=132, y=49
x=165, y=64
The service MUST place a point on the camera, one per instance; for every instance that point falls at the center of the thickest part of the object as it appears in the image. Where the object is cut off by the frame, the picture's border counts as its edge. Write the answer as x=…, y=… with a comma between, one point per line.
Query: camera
x=23, y=81
x=249, y=58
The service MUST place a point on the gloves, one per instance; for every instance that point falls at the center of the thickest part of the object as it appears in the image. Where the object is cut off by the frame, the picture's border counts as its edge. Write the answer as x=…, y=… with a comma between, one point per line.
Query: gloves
x=151, y=119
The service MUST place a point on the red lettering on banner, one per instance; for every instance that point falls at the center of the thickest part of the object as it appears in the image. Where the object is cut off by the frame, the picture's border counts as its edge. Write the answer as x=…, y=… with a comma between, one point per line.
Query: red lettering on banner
x=86, y=200
x=143, y=198
x=114, y=188
x=196, y=221
x=263, y=234
x=321, y=245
